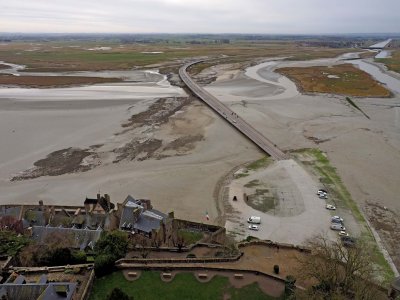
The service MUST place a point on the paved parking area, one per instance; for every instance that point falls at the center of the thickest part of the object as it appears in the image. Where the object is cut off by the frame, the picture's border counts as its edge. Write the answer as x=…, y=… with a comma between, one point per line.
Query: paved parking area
x=298, y=215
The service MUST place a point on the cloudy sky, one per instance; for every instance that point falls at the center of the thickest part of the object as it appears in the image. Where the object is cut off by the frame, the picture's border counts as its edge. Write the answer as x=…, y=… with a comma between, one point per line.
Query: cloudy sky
x=201, y=16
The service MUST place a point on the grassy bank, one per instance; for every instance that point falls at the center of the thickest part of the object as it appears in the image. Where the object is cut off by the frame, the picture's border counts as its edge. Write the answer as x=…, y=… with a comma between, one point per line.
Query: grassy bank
x=393, y=63
x=183, y=286
x=342, y=79
x=319, y=163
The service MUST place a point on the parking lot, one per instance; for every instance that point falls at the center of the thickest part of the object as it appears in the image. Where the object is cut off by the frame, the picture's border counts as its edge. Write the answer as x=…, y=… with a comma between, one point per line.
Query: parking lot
x=298, y=215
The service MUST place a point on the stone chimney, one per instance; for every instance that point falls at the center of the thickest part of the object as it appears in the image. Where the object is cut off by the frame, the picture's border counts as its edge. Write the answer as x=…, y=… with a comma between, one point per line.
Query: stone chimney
x=107, y=197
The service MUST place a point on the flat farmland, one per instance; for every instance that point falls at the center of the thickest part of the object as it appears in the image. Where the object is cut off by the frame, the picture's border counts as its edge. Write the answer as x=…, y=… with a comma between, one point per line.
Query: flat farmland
x=51, y=56
x=52, y=81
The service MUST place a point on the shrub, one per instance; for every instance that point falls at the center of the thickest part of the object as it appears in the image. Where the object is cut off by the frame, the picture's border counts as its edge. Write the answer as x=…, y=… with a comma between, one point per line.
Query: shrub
x=250, y=238
x=54, y=257
x=11, y=243
x=191, y=255
x=103, y=265
x=290, y=287
x=276, y=269
x=114, y=243
x=79, y=257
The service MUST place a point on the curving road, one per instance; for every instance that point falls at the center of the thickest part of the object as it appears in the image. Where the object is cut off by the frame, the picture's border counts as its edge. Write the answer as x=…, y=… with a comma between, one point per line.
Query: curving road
x=255, y=136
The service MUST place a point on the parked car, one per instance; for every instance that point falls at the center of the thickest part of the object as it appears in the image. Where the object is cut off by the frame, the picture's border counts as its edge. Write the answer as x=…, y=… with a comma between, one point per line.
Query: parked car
x=253, y=227
x=330, y=207
x=343, y=233
x=322, y=192
x=348, y=241
x=336, y=221
x=338, y=227
x=254, y=220
x=337, y=218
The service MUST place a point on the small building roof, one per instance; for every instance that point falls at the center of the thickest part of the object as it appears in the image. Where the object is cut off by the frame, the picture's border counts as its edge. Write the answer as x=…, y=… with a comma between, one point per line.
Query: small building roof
x=80, y=238
x=10, y=211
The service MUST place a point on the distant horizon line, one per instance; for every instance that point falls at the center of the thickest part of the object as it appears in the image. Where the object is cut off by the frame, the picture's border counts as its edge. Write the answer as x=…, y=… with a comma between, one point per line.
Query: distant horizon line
x=196, y=33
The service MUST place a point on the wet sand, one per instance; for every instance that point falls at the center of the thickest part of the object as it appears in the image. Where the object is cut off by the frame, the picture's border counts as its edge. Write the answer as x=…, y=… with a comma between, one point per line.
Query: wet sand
x=37, y=122
x=365, y=152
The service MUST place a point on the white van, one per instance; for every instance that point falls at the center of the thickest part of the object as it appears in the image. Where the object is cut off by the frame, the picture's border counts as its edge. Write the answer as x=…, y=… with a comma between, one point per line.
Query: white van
x=254, y=220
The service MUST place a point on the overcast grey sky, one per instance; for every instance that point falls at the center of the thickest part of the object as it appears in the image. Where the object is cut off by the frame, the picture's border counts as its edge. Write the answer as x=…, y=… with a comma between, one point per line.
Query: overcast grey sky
x=201, y=16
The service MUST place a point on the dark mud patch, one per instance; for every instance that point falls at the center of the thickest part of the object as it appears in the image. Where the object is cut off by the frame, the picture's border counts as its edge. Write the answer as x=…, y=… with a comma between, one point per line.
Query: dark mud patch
x=137, y=150
x=158, y=113
x=387, y=223
x=316, y=140
x=59, y=162
x=262, y=200
x=185, y=143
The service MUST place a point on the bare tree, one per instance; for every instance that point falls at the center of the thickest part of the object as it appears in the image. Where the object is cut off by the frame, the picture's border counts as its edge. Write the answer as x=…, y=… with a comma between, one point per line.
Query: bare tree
x=179, y=241
x=340, y=272
x=143, y=246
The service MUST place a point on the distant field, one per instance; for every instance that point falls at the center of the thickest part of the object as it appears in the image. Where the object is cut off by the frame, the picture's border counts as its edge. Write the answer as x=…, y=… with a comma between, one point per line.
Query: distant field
x=51, y=81
x=343, y=79
x=183, y=286
x=74, y=56
x=393, y=63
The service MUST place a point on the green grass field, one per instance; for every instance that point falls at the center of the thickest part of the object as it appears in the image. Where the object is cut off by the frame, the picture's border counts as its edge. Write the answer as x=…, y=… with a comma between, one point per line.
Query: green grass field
x=190, y=237
x=51, y=56
x=183, y=286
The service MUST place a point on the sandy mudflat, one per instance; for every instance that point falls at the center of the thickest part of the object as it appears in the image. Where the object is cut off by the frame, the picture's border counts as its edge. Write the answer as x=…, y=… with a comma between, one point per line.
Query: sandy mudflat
x=365, y=152
x=37, y=122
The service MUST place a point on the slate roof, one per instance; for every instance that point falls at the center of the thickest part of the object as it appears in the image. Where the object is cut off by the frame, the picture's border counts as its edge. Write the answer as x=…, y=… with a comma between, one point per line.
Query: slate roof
x=19, y=280
x=51, y=292
x=127, y=218
x=10, y=211
x=149, y=220
x=81, y=238
x=37, y=291
x=43, y=279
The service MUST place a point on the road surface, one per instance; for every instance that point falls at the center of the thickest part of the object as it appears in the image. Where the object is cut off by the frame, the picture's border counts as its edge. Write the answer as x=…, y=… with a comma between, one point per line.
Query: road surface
x=249, y=131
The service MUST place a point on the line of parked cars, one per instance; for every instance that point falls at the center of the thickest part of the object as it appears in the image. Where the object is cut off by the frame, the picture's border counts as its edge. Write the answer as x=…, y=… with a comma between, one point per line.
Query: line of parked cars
x=253, y=220
x=323, y=194
x=337, y=222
